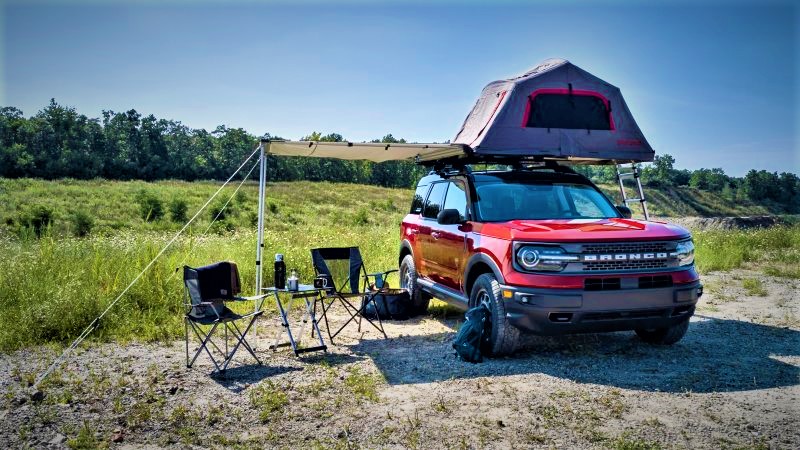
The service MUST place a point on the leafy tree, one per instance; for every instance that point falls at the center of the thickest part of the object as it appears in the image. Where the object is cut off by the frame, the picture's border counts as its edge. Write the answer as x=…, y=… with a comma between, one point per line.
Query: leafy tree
x=713, y=180
x=59, y=142
x=661, y=172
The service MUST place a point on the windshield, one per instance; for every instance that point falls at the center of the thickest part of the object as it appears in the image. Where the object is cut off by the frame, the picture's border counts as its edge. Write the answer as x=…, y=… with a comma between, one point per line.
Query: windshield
x=502, y=200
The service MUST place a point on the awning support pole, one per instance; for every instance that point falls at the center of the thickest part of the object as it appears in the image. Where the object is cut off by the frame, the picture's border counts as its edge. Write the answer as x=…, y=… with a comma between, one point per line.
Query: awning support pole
x=262, y=192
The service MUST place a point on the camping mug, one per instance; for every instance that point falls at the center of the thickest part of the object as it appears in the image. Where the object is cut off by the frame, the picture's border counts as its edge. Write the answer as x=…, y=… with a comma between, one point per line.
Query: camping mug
x=321, y=282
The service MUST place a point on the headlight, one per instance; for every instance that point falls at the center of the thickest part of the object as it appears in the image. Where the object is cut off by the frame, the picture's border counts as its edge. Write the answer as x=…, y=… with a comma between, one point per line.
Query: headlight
x=684, y=252
x=545, y=259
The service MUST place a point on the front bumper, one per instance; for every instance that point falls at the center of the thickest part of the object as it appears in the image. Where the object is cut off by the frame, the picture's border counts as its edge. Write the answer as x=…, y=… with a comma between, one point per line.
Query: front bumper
x=566, y=311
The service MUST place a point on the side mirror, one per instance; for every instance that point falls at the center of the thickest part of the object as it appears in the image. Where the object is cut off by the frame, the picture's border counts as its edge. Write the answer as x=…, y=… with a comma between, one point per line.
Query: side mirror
x=625, y=211
x=449, y=217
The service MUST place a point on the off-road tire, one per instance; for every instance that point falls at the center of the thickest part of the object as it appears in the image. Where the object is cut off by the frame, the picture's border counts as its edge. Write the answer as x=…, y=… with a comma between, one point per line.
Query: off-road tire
x=408, y=280
x=504, y=337
x=664, y=336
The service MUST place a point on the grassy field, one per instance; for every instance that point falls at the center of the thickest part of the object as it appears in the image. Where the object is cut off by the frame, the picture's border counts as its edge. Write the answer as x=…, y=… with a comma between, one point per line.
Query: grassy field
x=113, y=205
x=53, y=286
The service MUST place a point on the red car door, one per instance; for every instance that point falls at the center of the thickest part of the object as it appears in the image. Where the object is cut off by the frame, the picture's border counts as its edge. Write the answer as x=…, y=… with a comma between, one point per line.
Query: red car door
x=447, y=242
x=426, y=248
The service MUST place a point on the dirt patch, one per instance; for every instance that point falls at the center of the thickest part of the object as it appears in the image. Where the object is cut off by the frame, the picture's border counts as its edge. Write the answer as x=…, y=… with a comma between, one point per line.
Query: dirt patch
x=733, y=381
x=726, y=223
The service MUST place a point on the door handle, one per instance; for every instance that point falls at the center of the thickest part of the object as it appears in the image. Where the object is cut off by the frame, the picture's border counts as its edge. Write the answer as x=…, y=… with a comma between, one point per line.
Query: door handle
x=436, y=235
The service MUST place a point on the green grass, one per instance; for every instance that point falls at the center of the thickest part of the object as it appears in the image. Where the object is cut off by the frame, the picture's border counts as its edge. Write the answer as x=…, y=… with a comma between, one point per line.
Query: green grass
x=686, y=201
x=363, y=385
x=754, y=287
x=731, y=249
x=51, y=288
x=269, y=400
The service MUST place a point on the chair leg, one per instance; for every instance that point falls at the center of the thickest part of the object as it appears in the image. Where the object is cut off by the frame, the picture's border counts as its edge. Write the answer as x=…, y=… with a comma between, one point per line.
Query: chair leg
x=239, y=341
x=186, y=335
x=325, y=317
x=352, y=315
x=377, y=313
x=241, y=337
x=204, y=341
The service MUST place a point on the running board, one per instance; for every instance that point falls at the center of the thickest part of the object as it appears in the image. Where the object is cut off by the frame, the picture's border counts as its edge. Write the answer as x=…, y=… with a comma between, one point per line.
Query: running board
x=445, y=294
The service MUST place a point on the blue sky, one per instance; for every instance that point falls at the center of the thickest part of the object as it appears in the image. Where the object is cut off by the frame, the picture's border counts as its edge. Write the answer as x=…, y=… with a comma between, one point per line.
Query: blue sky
x=714, y=84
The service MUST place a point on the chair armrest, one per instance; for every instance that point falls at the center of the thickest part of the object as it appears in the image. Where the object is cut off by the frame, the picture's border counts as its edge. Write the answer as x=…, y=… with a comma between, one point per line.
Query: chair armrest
x=383, y=275
x=254, y=297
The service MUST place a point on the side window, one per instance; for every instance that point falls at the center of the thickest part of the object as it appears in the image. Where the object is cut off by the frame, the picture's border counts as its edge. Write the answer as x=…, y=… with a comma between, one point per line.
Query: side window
x=419, y=199
x=456, y=198
x=434, y=203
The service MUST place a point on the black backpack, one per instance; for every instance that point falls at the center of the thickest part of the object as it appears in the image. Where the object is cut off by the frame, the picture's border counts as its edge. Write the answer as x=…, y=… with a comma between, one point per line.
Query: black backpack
x=473, y=334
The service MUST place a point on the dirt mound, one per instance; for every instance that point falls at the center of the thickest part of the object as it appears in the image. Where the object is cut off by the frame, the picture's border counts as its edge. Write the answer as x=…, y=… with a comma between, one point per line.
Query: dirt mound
x=726, y=223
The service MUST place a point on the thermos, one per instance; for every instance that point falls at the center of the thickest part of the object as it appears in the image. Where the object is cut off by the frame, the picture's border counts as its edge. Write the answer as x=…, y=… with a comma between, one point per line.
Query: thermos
x=280, y=272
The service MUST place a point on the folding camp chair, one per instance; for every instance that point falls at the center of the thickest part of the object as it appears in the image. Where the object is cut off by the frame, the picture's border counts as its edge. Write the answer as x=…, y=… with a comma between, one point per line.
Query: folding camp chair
x=206, y=289
x=347, y=280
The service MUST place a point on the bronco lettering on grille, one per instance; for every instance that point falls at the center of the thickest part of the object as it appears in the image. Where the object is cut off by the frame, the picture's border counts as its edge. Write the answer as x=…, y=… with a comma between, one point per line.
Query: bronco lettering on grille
x=624, y=256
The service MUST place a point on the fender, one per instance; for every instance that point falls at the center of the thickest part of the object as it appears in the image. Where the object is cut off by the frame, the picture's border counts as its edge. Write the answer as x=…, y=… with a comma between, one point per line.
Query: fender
x=404, y=245
x=482, y=258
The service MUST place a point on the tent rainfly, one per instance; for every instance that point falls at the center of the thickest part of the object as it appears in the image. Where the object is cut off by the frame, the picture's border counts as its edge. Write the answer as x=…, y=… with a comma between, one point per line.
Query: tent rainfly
x=555, y=111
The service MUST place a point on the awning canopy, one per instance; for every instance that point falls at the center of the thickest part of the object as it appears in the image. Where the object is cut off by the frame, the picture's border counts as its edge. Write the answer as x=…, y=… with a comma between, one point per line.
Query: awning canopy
x=369, y=151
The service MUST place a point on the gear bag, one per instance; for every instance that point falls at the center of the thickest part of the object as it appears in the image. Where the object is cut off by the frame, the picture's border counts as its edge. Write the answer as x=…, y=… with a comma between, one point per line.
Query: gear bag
x=473, y=334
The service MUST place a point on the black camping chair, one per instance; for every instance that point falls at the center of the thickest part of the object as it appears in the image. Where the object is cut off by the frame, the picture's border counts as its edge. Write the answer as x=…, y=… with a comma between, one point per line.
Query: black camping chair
x=206, y=289
x=348, y=279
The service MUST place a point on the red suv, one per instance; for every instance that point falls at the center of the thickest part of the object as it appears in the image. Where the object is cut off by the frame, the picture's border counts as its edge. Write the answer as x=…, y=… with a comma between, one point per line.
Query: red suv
x=548, y=253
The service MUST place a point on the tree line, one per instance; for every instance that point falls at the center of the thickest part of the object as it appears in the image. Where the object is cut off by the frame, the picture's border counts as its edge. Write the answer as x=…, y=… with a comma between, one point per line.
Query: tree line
x=58, y=142
x=757, y=185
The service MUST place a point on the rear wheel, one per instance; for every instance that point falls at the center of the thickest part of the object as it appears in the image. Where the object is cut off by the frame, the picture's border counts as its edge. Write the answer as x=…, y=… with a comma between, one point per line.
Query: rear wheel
x=408, y=280
x=504, y=337
x=664, y=336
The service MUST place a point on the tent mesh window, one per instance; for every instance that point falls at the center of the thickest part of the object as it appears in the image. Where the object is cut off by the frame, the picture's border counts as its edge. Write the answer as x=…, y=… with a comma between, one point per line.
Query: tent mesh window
x=582, y=112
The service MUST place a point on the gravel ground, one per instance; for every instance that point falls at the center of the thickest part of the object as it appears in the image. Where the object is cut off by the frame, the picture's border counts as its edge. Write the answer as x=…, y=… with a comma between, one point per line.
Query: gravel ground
x=732, y=382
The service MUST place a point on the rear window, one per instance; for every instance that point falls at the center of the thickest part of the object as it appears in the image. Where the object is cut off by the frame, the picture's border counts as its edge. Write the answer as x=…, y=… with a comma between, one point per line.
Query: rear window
x=571, y=111
x=419, y=199
x=434, y=203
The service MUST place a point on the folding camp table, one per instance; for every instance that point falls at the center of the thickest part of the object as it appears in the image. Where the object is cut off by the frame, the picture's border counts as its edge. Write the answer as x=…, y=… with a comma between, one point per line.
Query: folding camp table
x=304, y=292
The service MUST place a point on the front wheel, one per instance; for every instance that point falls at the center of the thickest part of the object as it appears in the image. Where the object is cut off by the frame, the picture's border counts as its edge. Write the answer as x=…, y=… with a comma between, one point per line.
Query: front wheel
x=664, y=336
x=504, y=337
x=408, y=280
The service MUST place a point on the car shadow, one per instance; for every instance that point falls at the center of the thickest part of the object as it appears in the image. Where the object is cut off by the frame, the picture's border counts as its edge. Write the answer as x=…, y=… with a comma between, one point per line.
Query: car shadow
x=716, y=355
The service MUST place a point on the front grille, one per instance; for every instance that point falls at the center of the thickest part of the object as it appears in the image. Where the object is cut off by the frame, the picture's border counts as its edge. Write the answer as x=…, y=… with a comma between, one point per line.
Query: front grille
x=623, y=315
x=625, y=248
x=614, y=284
x=657, y=281
x=602, y=284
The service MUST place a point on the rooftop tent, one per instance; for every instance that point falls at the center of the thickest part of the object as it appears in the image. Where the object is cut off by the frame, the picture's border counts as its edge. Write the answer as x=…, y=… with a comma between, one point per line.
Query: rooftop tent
x=555, y=110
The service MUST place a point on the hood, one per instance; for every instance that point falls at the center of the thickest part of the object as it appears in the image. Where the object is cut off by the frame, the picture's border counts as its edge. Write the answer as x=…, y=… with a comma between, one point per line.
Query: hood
x=583, y=230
